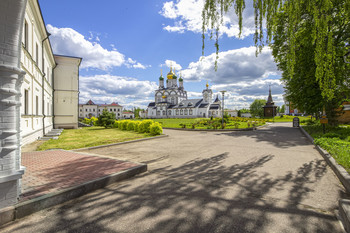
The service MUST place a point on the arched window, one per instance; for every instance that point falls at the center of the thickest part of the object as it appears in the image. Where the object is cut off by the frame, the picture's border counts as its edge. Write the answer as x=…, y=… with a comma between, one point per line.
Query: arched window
x=172, y=100
x=181, y=112
x=169, y=112
x=158, y=113
x=163, y=113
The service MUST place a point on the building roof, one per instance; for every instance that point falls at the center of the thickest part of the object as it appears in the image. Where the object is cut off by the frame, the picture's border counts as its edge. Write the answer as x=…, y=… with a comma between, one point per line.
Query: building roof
x=203, y=106
x=269, y=99
x=152, y=104
x=127, y=112
x=214, y=106
x=217, y=99
x=90, y=103
x=189, y=103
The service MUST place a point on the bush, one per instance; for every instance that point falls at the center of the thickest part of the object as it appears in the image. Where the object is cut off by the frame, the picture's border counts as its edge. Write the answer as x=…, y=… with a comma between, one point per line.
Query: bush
x=106, y=119
x=145, y=126
x=156, y=128
x=124, y=125
x=131, y=125
x=136, y=126
x=116, y=124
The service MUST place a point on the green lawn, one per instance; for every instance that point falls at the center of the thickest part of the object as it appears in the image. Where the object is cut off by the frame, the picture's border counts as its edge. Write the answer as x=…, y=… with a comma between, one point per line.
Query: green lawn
x=287, y=118
x=175, y=122
x=90, y=136
x=336, y=141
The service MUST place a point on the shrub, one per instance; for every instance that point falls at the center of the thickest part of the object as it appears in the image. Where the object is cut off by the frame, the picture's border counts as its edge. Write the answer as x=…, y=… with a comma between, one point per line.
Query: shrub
x=124, y=125
x=116, y=124
x=131, y=125
x=156, y=128
x=144, y=126
x=236, y=125
x=106, y=119
x=136, y=126
x=223, y=126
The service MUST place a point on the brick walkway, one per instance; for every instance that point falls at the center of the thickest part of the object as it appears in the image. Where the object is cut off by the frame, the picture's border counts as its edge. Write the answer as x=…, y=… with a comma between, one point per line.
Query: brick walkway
x=54, y=170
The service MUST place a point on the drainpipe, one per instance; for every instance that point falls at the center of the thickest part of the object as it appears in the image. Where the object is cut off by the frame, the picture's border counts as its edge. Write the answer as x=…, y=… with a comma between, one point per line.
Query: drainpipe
x=43, y=81
x=53, y=95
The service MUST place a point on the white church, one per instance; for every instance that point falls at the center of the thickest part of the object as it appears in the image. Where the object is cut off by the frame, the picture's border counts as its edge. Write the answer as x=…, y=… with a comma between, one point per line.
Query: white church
x=171, y=101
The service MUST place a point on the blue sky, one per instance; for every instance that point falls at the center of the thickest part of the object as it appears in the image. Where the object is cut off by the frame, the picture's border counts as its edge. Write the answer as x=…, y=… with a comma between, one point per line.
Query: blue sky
x=125, y=44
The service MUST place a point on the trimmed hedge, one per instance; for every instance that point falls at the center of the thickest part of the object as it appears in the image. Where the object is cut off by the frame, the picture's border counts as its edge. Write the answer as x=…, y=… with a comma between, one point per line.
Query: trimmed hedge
x=145, y=126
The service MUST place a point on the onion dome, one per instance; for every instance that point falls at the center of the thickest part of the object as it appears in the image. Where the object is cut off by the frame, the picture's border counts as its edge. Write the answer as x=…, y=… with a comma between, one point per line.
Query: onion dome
x=207, y=85
x=171, y=74
x=180, y=79
x=161, y=78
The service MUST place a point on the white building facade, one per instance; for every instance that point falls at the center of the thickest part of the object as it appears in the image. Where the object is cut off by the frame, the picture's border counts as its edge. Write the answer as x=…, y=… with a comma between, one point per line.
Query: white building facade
x=50, y=87
x=90, y=109
x=171, y=101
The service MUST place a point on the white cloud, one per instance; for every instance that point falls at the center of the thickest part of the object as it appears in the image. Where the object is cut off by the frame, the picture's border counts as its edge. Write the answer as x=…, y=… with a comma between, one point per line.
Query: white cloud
x=124, y=90
x=233, y=66
x=134, y=64
x=171, y=63
x=187, y=16
x=67, y=41
x=244, y=76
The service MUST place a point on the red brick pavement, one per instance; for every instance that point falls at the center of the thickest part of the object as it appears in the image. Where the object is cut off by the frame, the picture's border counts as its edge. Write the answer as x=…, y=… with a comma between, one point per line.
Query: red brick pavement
x=54, y=170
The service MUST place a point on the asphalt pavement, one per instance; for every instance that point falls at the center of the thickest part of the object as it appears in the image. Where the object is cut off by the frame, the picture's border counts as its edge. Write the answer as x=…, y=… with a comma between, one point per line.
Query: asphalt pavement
x=268, y=180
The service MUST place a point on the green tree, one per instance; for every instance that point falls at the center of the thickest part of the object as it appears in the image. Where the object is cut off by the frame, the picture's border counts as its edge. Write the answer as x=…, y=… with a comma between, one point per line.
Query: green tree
x=303, y=88
x=256, y=108
x=327, y=23
x=137, y=112
x=283, y=109
x=106, y=119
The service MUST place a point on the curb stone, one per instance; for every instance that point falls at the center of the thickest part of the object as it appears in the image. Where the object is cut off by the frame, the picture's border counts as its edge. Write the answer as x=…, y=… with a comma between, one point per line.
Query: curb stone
x=343, y=176
x=26, y=208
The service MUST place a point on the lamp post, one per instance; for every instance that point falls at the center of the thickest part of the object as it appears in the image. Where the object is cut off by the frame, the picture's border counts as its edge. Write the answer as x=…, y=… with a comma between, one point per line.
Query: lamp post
x=223, y=108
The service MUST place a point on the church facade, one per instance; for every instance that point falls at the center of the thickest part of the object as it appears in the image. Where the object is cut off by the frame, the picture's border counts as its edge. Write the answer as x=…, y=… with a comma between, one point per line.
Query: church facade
x=171, y=101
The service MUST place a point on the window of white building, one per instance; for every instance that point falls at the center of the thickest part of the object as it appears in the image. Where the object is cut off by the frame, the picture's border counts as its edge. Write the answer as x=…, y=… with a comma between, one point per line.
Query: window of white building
x=191, y=111
x=26, y=35
x=169, y=112
x=185, y=111
x=181, y=112
x=26, y=102
x=177, y=111
x=37, y=105
x=36, y=54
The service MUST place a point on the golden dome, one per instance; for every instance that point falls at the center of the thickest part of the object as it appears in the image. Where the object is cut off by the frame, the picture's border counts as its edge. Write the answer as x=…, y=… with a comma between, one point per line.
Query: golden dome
x=207, y=85
x=171, y=74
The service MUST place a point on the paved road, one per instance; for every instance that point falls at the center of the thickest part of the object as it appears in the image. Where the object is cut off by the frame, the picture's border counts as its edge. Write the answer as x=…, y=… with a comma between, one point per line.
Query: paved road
x=269, y=180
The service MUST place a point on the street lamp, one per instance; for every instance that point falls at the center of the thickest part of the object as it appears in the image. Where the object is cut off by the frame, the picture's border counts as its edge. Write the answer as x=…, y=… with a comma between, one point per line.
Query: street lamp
x=223, y=109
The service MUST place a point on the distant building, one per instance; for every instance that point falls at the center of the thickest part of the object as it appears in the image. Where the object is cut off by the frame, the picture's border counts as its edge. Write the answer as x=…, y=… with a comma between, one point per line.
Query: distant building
x=143, y=114
x=270, y=109
x=231, y=113
x=246, y=114
x=128, y=115
x=90, y=109
x=171, y=101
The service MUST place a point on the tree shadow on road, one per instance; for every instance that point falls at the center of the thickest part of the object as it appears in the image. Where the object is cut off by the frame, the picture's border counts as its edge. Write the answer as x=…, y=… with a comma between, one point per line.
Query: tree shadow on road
x=202, y=195
x=278, y=136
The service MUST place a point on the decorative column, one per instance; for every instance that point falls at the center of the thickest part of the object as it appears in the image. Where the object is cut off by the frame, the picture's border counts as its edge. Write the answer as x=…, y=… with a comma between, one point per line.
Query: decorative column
x=11, y=76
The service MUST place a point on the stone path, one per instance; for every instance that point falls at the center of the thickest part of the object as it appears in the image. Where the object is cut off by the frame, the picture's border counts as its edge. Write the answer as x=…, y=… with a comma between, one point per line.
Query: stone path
x=55, y=170
x=270, y=180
